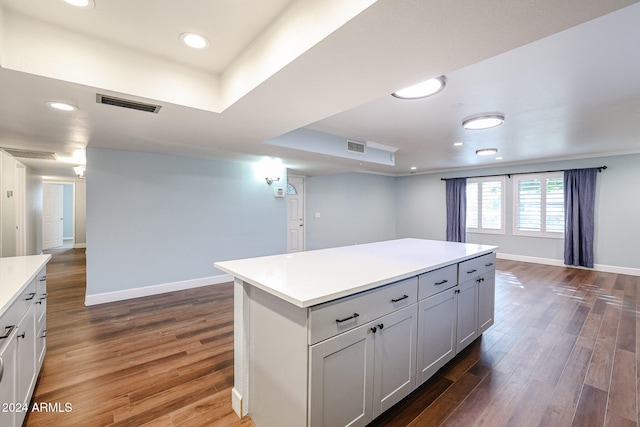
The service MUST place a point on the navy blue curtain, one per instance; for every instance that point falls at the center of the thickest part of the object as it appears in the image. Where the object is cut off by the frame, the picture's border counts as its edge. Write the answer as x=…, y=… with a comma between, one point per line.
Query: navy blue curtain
x=579, y=203
x=456, y=209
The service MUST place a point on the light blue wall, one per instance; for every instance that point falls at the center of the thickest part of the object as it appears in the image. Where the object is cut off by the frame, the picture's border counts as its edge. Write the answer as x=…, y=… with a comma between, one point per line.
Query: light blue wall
x=154, y=219
x=67, y=211
x=354, y=208
x=421, y=213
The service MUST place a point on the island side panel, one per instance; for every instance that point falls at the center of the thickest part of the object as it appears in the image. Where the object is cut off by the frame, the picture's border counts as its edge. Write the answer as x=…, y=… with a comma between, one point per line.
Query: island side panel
x=278, y=361
x=240, y=391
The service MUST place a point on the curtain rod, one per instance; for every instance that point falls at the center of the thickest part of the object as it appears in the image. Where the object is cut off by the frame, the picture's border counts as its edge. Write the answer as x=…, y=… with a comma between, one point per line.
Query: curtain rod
x=600, y=169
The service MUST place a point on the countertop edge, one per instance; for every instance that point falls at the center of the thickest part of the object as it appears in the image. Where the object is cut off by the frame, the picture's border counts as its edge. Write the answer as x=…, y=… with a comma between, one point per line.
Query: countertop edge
x=45, y=259
x=350, y=291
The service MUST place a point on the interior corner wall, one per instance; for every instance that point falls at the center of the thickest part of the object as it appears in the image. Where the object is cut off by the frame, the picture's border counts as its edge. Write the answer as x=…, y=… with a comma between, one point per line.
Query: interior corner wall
x=420, y=211
x=353, y=208
x=154, y=219
x=80, y=234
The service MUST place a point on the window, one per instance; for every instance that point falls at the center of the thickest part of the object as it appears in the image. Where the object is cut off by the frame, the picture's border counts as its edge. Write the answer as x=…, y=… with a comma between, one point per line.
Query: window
x=539, y=205
x=485, y=205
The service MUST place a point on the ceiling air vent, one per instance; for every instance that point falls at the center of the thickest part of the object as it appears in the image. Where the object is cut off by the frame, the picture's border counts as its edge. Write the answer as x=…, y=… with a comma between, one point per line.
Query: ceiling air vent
x=127, y=103
x=26, y=154
x=355, y=147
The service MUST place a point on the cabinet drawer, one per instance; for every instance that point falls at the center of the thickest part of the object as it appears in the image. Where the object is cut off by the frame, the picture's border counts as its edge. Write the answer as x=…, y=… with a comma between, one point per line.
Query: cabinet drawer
x=476, y=266
x=18, y=308
x=334, y=317
x=437, y=281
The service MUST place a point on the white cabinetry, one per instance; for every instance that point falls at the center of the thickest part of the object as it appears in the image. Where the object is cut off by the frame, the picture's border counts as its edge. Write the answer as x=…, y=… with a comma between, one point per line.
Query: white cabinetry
x=437, y=332
x=20, y=356
x=356, y=376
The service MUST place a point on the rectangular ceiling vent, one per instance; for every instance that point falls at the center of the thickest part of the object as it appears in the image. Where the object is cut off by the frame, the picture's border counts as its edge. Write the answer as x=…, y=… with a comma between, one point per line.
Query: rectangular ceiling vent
x=127, y=103
x=355, y=147
x=27, y=154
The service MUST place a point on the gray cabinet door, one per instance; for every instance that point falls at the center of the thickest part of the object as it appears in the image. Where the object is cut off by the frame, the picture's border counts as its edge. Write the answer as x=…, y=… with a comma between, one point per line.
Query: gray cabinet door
x=341, y=380
x=467, y=328
x=486, y=301
x=437, y=332
x=394, y=357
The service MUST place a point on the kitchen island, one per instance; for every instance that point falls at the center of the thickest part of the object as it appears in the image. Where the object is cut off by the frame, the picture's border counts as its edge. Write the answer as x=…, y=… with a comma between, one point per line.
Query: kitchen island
x=337, y=336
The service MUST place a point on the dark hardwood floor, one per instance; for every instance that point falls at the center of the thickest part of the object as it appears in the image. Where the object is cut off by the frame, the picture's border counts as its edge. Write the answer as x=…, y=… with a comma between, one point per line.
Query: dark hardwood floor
x=562, y=352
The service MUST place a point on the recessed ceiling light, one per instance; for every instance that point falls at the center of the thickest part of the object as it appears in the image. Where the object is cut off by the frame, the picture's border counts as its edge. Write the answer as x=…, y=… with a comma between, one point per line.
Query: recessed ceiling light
x=194, y=40
x=486, y=151
x=85, y=4
x=483, y=121
x=422, y=89
x=498, y=158
x=61, y=106
x=413, y=168
x=458, y=144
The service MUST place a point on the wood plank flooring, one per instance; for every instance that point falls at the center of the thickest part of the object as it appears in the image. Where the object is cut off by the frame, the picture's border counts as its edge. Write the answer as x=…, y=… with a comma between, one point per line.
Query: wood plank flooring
x=562, y=352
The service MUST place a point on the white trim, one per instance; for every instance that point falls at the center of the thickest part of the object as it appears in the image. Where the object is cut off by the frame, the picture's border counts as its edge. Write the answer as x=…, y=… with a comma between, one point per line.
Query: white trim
x=560, y=263
x=155, y=289
x=80, y=246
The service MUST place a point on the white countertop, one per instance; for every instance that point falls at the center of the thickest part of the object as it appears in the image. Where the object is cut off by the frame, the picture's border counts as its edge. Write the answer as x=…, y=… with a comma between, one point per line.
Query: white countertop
x=15, y=275
x=309, y=278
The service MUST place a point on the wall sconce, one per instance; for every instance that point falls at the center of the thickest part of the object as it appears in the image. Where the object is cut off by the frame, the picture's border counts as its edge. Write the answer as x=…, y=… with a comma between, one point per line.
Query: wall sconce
x=79, y=170
x=270, y=180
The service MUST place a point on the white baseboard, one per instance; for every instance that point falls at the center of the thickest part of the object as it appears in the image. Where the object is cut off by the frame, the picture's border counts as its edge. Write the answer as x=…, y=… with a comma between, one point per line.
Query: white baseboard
x=79, y=245
x=560, y=263
x=155, y=289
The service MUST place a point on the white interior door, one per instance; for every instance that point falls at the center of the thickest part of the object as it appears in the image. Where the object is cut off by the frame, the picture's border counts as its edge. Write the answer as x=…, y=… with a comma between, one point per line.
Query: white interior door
x=52, y=219
x=295, y=213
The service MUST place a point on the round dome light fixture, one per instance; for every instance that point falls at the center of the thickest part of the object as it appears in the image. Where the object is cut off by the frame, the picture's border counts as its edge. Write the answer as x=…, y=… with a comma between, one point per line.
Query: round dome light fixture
x=83, y=4
x=483, y=121
x=423, y=89
x=486, y=151
x=61, y=106
x=194, y=40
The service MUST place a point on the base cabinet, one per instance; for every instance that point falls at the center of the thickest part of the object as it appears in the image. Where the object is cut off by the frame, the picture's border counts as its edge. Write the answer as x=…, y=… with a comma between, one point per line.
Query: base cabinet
x=356, y=376
x=467, y=319
x=437, y=337
x=21, y=352
x=486, y=301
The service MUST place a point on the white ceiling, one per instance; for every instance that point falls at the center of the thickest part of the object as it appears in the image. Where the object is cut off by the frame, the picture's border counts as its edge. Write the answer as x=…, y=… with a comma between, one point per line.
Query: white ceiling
x=564, y=74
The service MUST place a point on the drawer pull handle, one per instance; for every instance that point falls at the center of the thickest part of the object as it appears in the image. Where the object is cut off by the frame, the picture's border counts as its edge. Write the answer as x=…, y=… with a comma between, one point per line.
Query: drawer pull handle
x=400, y=299
x=472, y=271
x=374, y=329
x=44, y=334
x=381, y=325
x=31, y=295
x=43, y=278
x=7, y=331
x=22, y=335
x=441, y=283
x=489, y=264
x=347, y=318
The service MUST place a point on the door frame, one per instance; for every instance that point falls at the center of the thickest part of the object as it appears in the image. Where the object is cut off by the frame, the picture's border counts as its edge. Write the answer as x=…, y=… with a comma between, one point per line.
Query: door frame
x=73, y=205
x=21, y=209
x=304, y=210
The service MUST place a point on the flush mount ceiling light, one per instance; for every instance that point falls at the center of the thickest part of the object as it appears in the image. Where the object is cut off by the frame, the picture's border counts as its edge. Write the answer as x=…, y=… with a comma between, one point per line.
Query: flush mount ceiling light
x=483, y=121
x=61, y=106
x=422, y=89
x=194, y=40
x=486, y=151
x=84, y=4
